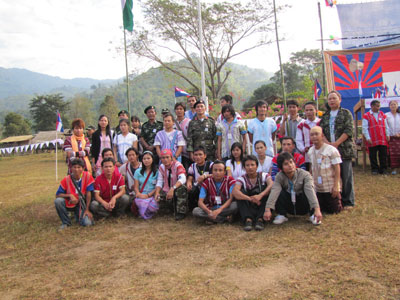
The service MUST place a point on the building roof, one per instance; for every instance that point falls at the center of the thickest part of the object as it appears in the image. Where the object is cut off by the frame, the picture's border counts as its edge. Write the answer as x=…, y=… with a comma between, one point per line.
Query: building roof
x=45, y=136
x=16, y=139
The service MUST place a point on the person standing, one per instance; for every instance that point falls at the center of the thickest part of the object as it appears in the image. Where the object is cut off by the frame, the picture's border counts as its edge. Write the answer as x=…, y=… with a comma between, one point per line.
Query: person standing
x=338, y=128
x=149, y=131
x=123, y=114
x=226, y=100
x=101, y=139
x=376, y=132
x=262, y=128
x=202, y=132
x=229, y=131
x=290, y=122
x=123, y=142
x=182, y=124
x=303, y=141
x=325, y=168
x=393, y=121
x=191, y=112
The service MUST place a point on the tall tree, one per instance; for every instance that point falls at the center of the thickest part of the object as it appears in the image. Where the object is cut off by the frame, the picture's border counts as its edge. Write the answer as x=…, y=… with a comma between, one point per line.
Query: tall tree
x=264, y=91
x=229, y=29
x=109, y=107
x=303, y=66
x=15, y=124
x=81, y=107
x=44, y=109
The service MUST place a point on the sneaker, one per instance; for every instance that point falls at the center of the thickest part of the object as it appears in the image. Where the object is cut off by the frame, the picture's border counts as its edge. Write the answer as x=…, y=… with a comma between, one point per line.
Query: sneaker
x=259, y=225
x=179, y=217
x=279, y=219
x=314, y=221
x=394, y=172
x=62, y=227
x=248, y=226
x=374, y=173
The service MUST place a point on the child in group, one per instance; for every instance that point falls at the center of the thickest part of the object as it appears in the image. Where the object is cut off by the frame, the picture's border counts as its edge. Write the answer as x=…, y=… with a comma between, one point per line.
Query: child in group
x=123, y=142
x=215, y=200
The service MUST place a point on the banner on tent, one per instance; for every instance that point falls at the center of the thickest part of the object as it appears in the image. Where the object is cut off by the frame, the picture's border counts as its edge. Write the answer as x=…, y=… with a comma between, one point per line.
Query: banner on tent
x=384, y=101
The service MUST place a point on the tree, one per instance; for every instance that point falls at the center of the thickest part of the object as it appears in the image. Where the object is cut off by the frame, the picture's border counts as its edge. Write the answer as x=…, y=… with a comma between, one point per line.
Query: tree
x=44, y=109
x=15, y=124
x=264, y=91
x=81, y=107
x=109, y=107
x=172, y=30
x=303, y=66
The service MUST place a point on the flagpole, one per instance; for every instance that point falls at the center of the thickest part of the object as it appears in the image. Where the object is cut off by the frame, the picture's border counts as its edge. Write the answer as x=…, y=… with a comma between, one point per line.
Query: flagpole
x=203, y=81
x=56, y=158
x=322, y=52
x=127, y=74
x=280, y=60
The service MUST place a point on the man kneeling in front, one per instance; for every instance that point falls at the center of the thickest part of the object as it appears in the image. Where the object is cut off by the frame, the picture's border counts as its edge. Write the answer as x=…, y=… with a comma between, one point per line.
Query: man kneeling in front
x=74, y=195
x=109, y=192
x=292, y=193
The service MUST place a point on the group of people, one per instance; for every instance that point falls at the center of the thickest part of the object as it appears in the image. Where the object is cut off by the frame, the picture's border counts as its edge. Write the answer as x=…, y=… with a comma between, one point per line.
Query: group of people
x=217, y=169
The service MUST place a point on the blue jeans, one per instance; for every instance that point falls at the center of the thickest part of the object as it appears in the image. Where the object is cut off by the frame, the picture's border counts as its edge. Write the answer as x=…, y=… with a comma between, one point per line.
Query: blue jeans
x=62, y=212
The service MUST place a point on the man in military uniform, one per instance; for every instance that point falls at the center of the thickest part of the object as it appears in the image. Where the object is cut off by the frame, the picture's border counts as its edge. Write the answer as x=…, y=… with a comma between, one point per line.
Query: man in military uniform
x=337, y=125
x=150, y=129
x=202, y=132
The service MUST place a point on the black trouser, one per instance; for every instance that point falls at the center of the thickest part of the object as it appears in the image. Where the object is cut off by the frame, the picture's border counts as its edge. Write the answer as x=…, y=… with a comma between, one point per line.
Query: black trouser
x=284, y=204
x=328, y=204
x=382, y=153
x=193, y=197
x=250, y=210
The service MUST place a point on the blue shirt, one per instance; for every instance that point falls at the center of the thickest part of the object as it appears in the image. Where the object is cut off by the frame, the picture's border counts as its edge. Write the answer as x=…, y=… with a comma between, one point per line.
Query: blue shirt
x=262, y=131
x=151, y=182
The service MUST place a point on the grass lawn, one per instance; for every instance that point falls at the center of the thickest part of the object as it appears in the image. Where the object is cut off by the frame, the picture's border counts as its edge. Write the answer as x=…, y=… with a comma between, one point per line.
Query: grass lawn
x=352, y=255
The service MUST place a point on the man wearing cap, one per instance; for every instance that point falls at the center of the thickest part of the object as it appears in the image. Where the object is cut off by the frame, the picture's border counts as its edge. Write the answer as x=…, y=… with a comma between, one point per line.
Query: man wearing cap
x=150, y=129
x=123, y=114
x=202, y=131
x=170, y=186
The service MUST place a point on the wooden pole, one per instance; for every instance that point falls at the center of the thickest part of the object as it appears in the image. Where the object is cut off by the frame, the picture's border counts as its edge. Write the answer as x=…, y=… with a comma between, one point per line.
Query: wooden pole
x=280, y=60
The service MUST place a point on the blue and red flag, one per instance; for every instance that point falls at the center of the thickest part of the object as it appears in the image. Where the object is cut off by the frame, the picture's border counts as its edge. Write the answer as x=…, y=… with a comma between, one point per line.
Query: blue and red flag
x=395, y=90
x=180, y=93
x=330, y=2
x=317, y=90
x=59, y=125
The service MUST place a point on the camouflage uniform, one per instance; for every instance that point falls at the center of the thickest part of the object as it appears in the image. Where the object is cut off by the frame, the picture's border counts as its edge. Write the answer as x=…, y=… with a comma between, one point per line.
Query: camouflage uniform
x=178, y=202
x=343, y=124
x=149, y=131
x=203, y=133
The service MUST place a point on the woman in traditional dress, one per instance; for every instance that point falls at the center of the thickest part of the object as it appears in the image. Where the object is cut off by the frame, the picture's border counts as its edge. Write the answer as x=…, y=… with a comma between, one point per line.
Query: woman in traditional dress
x=101, y=139
x=77, y=145
x=393, y=122
x=145, y=186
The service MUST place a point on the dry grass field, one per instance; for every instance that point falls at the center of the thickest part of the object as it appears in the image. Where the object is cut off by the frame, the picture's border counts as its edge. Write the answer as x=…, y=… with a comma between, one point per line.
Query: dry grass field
x=353, y=255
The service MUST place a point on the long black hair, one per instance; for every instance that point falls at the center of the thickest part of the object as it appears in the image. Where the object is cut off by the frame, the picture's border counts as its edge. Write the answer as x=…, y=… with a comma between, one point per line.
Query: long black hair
x=237, y=145
x=153, y=166
x=108, y=130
